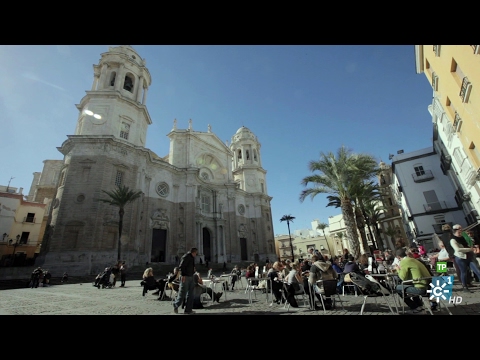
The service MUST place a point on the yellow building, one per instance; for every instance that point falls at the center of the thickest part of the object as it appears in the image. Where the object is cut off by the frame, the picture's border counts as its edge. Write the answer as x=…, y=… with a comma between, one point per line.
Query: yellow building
x=20, y=229
x=453, y=72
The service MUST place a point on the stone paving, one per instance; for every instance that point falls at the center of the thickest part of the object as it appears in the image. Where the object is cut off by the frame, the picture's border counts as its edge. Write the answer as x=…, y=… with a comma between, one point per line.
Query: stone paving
x=85, y=299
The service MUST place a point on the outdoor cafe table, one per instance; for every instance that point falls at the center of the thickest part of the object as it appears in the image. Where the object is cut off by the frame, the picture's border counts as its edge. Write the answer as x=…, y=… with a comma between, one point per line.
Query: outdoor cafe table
x=250, y=287
x=212, y=283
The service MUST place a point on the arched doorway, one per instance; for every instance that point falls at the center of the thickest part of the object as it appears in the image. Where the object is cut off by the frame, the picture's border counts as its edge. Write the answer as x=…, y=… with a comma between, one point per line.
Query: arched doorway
x=207, y=249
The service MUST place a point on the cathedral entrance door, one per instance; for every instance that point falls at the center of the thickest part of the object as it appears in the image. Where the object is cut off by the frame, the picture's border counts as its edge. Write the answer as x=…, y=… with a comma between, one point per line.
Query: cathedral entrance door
x=159, y=242
x=207, y=250
x=243, y=249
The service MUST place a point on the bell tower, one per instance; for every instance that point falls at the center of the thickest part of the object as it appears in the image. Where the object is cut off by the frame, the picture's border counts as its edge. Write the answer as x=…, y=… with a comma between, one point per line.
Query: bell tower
x=116, y=103
x=247, y=163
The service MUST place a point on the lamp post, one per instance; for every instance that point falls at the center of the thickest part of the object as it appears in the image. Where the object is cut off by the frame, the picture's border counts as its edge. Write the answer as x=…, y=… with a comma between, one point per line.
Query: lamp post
x=14, y=247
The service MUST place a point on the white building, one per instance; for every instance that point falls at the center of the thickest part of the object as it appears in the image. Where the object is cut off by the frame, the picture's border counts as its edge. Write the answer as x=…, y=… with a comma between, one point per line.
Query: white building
x=428, y=197
x=203, y=193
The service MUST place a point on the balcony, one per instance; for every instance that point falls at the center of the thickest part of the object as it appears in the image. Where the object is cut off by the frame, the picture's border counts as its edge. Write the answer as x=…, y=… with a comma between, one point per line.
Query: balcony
x=29, y=219
x=435, y=206
x=457, y=122
x=426, y=176
x=466, y=89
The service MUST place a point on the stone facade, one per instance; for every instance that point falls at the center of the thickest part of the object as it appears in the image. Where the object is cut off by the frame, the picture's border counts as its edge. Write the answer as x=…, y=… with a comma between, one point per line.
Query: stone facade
x=204, y=194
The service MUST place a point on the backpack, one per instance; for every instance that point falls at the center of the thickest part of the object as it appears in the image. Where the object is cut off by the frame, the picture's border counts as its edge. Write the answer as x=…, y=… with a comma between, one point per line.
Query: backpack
x=366, y=286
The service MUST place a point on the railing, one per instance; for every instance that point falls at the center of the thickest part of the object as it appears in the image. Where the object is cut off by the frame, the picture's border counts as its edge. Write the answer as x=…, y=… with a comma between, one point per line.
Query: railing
x=456, y=122
x=435, y=206
x=436, y=50
x=428, y=175
x=29, y=219
x=463, y=90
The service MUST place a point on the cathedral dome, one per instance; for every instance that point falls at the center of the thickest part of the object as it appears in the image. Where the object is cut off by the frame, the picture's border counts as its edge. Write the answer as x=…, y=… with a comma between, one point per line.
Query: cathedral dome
x=244, y=133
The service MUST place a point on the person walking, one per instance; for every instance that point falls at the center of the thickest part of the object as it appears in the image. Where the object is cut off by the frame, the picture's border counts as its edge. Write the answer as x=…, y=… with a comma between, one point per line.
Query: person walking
x=123, y=274
x=187, y=284
x=463, y=256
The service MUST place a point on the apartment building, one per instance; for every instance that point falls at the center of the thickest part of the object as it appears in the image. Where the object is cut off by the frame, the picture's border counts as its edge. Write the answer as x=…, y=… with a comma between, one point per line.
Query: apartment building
x=452, y=70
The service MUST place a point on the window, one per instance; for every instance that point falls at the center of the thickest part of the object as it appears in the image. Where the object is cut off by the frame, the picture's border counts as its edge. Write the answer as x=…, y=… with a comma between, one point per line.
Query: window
x=241, y=209
x=239, y=154
x=125, y=131
x=162, y=189
x=112, y=78
x=457, y=122
x=456, y=72
x=128, y=84
x=119, y=178
x=419, y=171
x=206, y=203
x=254, y=154
x=204, y=176
x=30, y=218
x=436, y=50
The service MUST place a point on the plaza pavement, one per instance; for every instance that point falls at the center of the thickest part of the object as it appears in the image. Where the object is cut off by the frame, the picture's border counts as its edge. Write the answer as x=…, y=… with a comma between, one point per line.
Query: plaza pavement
x=85, y=299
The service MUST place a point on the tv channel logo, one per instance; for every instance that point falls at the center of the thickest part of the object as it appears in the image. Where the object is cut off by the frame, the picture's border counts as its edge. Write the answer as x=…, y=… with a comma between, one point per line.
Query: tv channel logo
x=441, y=267
x=442, y=288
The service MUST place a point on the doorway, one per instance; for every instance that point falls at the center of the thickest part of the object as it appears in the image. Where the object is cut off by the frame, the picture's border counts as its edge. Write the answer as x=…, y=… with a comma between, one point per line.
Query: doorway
x=159, y=243
x=207, y=249
x=243, y=249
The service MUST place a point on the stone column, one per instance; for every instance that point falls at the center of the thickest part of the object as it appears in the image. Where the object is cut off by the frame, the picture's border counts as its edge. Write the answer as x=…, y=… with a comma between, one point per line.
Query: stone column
x=139, y=88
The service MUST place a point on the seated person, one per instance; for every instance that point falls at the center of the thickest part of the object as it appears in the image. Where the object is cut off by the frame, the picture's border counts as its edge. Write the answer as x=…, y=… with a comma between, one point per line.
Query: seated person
x=275, y=275
x=351, y=265
x=321, y=270
x=200, y=289
x=298, y=283
x=174, y=280
x=251, y=274
x=150, y=283
x=236, y=275
x=339, y=271
x=409, y=269
x=305, y=266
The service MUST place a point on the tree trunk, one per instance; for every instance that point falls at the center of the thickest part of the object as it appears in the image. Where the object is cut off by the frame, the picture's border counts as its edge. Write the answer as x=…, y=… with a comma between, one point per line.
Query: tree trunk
x=378, y=237
x=361, y=228
x=351, y=228
x=121, y=212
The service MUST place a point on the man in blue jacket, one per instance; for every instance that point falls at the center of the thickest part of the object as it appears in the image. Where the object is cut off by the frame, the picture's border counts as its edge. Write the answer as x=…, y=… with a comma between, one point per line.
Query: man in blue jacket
x=187, y=285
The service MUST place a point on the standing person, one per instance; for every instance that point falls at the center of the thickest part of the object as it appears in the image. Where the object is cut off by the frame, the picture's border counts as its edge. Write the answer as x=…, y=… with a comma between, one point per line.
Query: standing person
x=236, y=275
x=463, y=256
x=115, y=272
x=123, y=274
x=35, y=278
x=46, y=278
x=187, y=285
x=65, y=277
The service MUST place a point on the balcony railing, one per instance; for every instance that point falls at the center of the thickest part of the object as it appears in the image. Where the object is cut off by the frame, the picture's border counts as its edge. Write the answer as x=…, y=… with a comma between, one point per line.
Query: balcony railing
x=476, y=49
x=457, y=122
x=29, y=219
x=465, y=90
x=435, y=206
x=427, y=176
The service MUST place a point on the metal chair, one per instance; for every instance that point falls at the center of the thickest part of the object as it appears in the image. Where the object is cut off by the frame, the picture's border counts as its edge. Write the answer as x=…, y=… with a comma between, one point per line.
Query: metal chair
x=426, y=308
x=329, y=291
x=348, y=284
x=298, y=293
x=381, y=295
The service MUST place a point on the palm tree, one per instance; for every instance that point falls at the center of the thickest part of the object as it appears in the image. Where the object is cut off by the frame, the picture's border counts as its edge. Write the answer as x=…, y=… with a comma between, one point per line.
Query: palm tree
x=392, y=233
x=337, y=172
x=322, y=227
x=374, y=213
x=120, y=197
x=289, y=218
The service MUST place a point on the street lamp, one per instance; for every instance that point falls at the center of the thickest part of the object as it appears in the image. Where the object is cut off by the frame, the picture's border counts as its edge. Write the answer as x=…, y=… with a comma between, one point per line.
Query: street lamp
x=14, y=247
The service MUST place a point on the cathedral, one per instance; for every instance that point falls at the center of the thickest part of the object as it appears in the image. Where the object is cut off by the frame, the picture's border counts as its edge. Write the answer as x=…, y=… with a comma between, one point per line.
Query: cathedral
x=205, y=193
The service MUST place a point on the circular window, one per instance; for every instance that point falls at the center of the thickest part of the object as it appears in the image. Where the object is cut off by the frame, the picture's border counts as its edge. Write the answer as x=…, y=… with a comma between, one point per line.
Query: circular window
x=56, y=202
x=162, y=189
x=241, y=209
x=205, y=176
x=80, y=198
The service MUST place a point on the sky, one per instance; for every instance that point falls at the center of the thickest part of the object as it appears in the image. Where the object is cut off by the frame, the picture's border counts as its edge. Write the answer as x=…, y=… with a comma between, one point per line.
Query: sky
x=299, y=100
